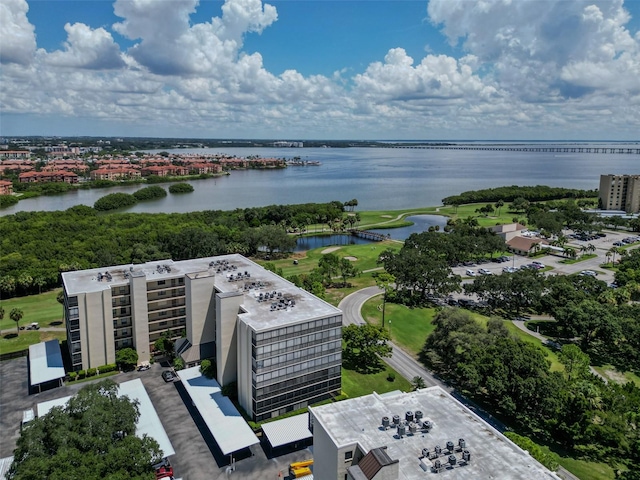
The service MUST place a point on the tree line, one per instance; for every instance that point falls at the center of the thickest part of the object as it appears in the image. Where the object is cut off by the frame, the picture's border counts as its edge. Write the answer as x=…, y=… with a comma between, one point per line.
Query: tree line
x=573, y=408
x=536, y=193
x=37, y=246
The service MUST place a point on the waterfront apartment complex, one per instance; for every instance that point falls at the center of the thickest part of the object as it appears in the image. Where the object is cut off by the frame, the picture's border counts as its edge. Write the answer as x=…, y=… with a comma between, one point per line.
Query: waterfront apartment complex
x=281, y=344
x=620, y=192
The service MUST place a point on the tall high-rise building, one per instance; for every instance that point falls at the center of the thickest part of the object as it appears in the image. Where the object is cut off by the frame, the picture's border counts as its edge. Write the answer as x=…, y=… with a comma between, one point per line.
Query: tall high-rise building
x=281, y=344
x=620, y=192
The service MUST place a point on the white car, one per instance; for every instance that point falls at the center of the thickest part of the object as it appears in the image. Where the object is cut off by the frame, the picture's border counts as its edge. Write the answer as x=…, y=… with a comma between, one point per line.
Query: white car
x=470, y=273
x=539, y=264
x=484, y=271
x=590, y=273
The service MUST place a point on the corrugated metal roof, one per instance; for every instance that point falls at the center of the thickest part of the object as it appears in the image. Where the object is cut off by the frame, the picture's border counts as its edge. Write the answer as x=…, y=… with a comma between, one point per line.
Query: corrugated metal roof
x=225, y=423
x=288, y=430
x=45, y=362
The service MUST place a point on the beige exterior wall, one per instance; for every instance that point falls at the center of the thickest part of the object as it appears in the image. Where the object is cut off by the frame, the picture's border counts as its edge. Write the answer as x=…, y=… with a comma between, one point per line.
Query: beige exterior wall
x=620, y=192
x=140, y=316
x=245, y=367
x=96, y=325
x=200, y=308
x=326, y=461
x=227, y=309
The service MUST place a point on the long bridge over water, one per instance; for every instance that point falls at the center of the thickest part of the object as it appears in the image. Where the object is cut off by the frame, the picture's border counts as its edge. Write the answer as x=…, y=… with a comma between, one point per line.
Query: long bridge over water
x=527, y=148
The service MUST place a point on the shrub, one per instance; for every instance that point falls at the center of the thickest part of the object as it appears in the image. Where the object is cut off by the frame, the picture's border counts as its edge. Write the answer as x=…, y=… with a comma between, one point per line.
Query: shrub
x=150, y=193
x=109, y=367
x=391, y=377
x=114, y=201
x=178, y=364
x=206, y=368
x=541, y=453
x=72, y=376
x=7, y=200
x=181, y=188
x=81, y=374
x=91, y=372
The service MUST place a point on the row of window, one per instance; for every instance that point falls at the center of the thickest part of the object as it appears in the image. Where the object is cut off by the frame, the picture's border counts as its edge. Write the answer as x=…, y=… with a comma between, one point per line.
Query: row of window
x=299, y=329
x=121, y=290
x=297, y=382
x=293, y=397
x=297, y=343
x=272, y=377
x=292, y=407
x=297, y=355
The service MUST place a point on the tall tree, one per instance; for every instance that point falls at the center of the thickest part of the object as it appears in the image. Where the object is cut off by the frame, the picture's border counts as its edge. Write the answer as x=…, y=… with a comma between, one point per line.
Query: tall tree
x=364, y=346
x=92, y=438
x=16, y=315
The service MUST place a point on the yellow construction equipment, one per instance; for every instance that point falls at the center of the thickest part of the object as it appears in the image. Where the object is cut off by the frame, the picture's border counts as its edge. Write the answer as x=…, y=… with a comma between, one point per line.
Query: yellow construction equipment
x=300, y=469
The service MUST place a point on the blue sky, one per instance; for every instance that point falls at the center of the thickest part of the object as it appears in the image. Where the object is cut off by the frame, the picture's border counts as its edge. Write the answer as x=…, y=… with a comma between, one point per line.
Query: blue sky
x=497, y=69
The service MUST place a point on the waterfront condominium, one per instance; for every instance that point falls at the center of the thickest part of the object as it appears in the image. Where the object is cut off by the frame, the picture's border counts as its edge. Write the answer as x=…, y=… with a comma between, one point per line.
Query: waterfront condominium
x=620, y=192
x=281, y=344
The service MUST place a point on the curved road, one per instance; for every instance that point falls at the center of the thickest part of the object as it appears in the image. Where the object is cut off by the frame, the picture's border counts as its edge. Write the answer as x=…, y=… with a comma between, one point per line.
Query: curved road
x=404, y=363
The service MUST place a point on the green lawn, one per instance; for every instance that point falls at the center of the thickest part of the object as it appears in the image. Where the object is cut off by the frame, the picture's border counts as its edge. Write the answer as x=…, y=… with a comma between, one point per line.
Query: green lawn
x=585, y=470
x=355, y=384
x=43, y=308
x=409, y=326
x=550, y=354
x=11, y=342
x=581, y=258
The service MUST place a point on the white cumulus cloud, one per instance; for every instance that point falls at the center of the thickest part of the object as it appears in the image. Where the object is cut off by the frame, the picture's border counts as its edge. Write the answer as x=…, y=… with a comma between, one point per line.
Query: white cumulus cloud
x=87, y=48
x=18, y=40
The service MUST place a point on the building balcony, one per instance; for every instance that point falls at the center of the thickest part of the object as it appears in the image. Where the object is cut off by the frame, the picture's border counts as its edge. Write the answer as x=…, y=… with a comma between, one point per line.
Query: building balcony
x=164, y=294
x=166, y=304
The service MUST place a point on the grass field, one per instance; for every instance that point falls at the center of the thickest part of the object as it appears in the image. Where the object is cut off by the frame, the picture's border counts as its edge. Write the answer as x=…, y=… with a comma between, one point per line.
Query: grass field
x=409, y=326
x=610, y=372
x=355, y=384
x=43, y=308
x=585, y=470
x=11, y=342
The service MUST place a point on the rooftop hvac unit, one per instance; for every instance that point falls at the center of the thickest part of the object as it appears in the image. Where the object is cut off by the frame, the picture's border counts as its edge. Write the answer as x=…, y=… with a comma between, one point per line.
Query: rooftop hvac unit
x=452, y=460
x=413, y=428
x=438, y=449
x=396, y=419
x=450, y=446
x=466, y=456
x=437, y=464
x=402, y=430
x=409, y=416
x=385, y=422
x=427, y=425
x=418, y=415
x=425, y=452
x=461, y=443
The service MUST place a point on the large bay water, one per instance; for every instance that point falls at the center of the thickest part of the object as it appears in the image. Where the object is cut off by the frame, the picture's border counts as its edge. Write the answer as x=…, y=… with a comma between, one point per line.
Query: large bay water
x=379, y=178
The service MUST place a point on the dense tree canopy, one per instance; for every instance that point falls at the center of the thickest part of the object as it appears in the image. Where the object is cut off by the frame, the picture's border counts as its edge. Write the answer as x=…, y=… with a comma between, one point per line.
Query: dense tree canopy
x=509, y=194
x=573, y=408
x=40, y=245
x=93, y=437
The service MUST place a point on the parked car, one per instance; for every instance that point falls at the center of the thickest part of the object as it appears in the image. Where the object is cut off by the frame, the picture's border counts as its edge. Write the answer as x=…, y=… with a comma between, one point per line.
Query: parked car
x=33, y=326
x=470, y=273
x=539, y=264
x=618, y=244
x=484, y=271
x=169, y=376
x=589, y=273
x=143, y=367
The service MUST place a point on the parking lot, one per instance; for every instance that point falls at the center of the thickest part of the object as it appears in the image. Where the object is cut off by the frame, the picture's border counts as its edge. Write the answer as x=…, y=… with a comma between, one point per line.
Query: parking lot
x=197, y=456
x=554, y=261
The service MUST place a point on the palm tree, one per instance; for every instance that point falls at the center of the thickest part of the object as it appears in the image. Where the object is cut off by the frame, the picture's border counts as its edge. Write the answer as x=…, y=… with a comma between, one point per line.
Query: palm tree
x=613, y=251
x=499, y=205
x=418, y=383
x=16, y=315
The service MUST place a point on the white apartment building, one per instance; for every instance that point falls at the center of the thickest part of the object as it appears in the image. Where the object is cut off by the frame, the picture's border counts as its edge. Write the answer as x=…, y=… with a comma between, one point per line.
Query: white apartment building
x=413, y=436
x=281, y=344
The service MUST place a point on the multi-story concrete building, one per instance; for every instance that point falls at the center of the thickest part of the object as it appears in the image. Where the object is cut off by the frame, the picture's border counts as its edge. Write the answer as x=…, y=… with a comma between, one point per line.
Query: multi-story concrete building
x=411, y=436
x=281, y=344
x=620, y=192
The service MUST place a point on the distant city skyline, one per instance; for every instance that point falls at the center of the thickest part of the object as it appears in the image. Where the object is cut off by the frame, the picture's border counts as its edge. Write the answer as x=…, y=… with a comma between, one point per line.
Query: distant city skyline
x=312, y=69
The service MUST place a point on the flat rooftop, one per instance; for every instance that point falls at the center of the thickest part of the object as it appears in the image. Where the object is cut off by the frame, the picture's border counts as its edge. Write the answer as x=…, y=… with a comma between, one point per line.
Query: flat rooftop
x=230, y=431
x=493, y=456
x=45, y=362
x=234, y=274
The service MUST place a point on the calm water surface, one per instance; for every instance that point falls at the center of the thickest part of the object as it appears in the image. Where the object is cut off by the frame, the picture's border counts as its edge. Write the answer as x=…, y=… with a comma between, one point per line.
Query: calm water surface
x=380, y=178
